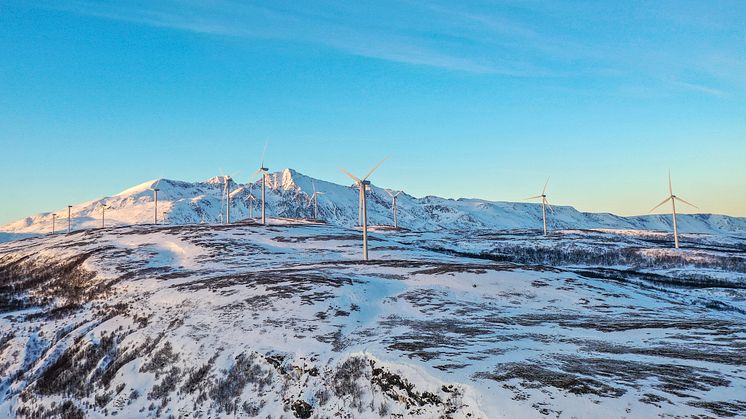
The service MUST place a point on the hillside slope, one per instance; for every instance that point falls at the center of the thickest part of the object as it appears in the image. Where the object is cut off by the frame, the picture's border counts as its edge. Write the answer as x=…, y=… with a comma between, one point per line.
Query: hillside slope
x=245, y=320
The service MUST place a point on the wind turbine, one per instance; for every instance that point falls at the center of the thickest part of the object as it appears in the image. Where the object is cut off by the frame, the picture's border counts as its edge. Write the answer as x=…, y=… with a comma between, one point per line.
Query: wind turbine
x=673, y=198
x=227, y=194
x=103, y=214
x=263, y=170
x=544, y=204
x=315, y=199
x=393, y=203
x=69, y=225
x=250, y=199
x=362, y=185
x=54, y=217
x=155, y=201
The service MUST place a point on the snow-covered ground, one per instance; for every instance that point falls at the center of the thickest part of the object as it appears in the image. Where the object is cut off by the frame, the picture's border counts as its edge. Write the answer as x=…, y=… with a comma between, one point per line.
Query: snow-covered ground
x=288, y=194
x=247, y=320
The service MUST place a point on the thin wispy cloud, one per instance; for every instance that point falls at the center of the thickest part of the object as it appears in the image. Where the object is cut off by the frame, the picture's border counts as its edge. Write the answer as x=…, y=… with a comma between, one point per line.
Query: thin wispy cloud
x=518, y=40
x=698, y=88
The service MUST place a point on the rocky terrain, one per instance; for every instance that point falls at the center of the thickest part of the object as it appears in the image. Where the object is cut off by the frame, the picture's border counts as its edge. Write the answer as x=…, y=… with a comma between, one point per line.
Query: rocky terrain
x=285, y=320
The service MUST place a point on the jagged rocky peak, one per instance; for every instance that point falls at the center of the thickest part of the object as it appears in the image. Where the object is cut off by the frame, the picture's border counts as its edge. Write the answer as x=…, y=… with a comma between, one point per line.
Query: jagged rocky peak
x=287, y=180
x=216, y=180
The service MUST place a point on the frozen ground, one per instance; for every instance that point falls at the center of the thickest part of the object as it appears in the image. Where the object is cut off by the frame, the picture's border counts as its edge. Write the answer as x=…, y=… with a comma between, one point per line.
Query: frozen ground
x=212, y=321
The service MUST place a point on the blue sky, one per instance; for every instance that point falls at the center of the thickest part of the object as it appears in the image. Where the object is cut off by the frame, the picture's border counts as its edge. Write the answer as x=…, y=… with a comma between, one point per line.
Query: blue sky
x=476, y=99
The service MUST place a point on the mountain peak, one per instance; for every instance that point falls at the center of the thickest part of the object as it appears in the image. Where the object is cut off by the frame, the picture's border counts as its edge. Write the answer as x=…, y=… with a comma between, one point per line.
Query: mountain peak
x=216, y=180
x=287, y=180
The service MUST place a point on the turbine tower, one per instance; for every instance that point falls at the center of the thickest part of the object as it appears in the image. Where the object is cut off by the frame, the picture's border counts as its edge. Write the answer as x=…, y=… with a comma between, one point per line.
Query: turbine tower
x=155, y=201
x=362, y=184
x=673, y=198
x=315, y=199
x=393, y=196
x=54, y=217
x=250, y=199
x=103, y=215
x=544, y=204
x=263, y=171
x=69, y=225
x=227, y=193
x=360, y=207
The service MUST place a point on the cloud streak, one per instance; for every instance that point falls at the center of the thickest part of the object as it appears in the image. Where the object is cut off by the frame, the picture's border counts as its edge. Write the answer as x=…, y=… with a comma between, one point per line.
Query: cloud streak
x=518, y=41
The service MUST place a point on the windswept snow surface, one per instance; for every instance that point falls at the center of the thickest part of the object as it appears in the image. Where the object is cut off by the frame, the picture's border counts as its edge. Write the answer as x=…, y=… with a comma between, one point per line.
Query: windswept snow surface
x=284, y=320
x=288, y=194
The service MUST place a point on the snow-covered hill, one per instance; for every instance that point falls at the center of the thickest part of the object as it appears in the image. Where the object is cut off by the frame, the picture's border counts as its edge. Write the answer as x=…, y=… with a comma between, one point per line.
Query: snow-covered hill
x=287, y=197
x=210, y=321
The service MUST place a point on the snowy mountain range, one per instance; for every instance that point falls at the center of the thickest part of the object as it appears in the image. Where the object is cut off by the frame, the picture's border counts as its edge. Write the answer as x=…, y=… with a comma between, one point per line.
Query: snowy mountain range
x=288, y=193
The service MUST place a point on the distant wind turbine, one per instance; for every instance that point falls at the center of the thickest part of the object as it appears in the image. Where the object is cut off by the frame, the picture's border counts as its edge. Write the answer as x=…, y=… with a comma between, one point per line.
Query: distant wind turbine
x=226, y=197
x=673, y=198
x=227, y=180
x=54, y=217
x=263, y=171
x=544, y=204
x=69, y=224
x=155, y=201
x=315, y=199
x=250, y=199
x=362, y=184
x=103, y=215
x=393, y=196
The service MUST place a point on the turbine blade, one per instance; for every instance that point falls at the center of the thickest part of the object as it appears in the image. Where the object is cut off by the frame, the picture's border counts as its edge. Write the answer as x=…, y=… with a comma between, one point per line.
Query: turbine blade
x=658, y=206
x=389, y=192
x=544, y=191
x=313, y=184
x=375, y=168
x=533, y=197
x=670, y=188
x=350, y=175
x=688, y=203
x=397, y=194
x=264, y=152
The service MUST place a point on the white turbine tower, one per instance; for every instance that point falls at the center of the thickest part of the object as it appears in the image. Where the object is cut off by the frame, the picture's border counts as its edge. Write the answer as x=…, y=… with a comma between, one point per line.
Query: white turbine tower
x=54, y=218
x=362, y=184
x=544, y=204
x=263, y=171
x=360, y=206
x=227, y=194
x=673, y=198
x=315, y=199
x=225, y=197
x=155, y=201
x=393, y=196
x=250, y=202
x=103, y=215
